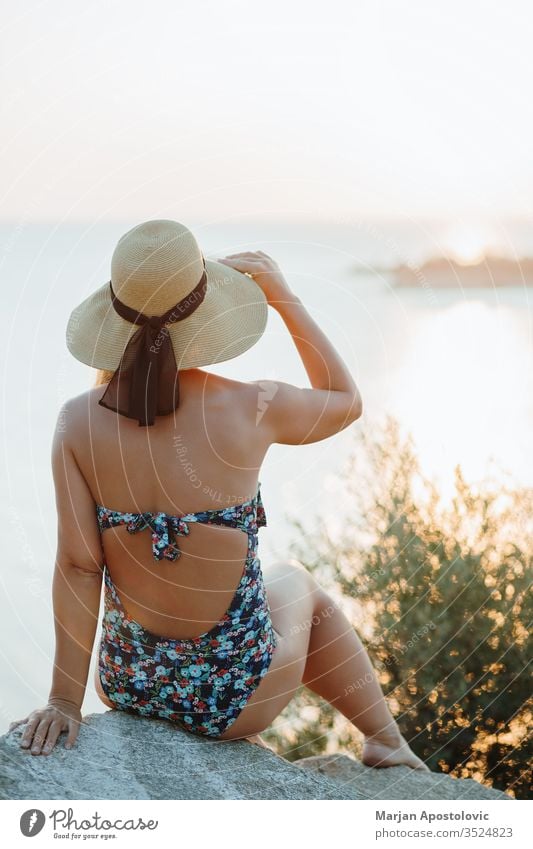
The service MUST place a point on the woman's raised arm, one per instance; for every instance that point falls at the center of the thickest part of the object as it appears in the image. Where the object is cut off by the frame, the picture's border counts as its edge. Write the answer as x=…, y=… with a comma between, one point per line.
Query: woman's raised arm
x=295, y=415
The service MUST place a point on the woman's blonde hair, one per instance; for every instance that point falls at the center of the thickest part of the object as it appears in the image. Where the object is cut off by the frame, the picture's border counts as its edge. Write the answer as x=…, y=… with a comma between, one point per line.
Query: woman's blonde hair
x=103, y=376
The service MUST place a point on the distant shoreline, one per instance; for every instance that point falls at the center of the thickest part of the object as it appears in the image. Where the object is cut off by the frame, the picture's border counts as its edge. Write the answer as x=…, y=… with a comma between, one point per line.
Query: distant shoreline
x=442, y=272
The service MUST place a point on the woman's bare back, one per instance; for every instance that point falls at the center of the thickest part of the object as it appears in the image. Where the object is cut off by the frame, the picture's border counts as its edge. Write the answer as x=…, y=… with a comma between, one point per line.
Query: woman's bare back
x=206, y=456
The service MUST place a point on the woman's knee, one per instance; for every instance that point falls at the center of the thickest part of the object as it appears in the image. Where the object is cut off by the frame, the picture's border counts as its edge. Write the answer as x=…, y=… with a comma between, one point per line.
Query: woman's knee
x=292, y=589
x=283, y=571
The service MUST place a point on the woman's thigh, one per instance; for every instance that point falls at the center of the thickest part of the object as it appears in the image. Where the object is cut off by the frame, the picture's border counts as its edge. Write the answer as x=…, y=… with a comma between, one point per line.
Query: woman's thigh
x=292, y=598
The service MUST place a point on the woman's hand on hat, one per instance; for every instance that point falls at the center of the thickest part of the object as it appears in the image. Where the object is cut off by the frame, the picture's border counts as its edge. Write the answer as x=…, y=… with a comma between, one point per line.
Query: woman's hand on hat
x=264, y=271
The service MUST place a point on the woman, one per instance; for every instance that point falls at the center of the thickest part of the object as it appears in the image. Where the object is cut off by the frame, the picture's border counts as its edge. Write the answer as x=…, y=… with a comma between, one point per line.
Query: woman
x=156, y=475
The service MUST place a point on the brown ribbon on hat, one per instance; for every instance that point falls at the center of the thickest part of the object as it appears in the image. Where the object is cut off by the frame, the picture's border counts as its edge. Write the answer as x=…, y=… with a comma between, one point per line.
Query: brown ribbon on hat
x=146, y=384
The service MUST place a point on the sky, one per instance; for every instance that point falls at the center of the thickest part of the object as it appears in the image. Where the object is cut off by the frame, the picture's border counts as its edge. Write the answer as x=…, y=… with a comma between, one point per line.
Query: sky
x=224, y=108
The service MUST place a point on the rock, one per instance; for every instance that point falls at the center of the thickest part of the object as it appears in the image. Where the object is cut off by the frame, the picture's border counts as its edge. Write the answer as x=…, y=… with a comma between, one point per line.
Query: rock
x=121, y=756
x=396, y=782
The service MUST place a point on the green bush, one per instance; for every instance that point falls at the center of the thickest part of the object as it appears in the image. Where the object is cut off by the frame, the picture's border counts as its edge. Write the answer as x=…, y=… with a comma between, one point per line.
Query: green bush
x=440, y=594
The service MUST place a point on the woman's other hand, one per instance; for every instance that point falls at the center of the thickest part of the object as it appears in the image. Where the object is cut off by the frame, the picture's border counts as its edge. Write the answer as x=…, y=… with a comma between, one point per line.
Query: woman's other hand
x=265, y=272
x=43, y=727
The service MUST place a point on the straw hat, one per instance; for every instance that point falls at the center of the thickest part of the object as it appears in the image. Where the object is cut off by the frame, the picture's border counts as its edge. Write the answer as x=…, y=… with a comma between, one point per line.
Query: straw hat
x=154, y=266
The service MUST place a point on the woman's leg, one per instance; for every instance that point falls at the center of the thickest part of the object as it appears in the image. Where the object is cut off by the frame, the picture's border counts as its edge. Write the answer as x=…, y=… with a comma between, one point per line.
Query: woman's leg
x=339, y=670
x=317, y=646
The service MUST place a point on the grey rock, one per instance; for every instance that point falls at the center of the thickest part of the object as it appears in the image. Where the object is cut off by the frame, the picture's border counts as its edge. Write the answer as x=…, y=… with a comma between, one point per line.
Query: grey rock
x=396, y=782
x=121, y=756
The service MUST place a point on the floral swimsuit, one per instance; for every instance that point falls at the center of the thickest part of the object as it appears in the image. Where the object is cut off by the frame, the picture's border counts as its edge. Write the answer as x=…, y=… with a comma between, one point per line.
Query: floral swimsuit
x=204, y=682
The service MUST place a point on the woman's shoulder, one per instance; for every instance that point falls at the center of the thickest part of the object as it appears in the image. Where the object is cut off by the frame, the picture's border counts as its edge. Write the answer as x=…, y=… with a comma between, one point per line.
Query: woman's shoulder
x=75, y=412
x=81, y=415
x=82, y=403
x=216, y=382
x=222, y=391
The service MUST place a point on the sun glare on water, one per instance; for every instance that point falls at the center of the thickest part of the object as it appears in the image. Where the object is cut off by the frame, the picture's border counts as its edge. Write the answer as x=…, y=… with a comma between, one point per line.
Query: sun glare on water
x=460, y=393
x=468, y=244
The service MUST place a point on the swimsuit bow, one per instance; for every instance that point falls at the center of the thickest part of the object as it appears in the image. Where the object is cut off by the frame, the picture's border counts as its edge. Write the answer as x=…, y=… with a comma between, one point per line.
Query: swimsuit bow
x=164, y=530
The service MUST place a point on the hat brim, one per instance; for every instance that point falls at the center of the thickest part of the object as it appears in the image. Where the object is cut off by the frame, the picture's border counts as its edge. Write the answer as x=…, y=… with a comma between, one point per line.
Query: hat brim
x=231, y=318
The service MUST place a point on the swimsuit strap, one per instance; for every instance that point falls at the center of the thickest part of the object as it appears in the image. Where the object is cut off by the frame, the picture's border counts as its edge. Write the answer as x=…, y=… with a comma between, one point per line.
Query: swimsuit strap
x=164, y=528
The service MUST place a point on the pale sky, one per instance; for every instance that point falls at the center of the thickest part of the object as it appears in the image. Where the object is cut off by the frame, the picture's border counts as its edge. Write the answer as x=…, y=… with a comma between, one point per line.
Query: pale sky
x=226, y=108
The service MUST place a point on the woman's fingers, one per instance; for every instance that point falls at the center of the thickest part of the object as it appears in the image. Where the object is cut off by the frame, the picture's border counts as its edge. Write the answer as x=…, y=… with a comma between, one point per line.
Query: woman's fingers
x=72, y=735
x=250, y=254
x=44, y=727
x=40, y=735
x=27, y=736
x=258, y=256
x=239, y=264
x=241, y=260
x=54, y=731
